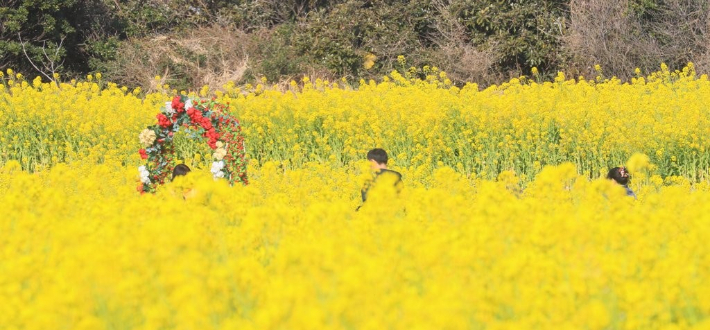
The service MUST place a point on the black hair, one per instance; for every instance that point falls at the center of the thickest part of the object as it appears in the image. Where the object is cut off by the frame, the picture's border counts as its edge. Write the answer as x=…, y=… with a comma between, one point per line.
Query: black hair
x=180, y=169
x=616, y=175
x=378, y=155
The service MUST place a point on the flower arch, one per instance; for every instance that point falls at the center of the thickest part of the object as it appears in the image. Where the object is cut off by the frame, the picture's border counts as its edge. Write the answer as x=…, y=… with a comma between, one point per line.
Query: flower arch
x=208, y=118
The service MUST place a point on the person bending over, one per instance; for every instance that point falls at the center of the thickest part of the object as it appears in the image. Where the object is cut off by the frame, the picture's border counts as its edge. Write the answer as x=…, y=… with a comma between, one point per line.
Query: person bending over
x=621, y=176
x=180, y=170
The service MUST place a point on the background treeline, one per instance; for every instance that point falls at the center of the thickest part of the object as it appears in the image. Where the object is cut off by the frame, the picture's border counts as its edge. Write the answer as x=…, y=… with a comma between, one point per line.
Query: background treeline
x=190, y=43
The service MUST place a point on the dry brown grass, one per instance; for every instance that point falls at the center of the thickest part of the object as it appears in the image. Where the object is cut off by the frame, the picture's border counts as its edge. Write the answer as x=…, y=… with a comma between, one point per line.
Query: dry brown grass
x=609, y=34
x=209, y=56
x=461, y=60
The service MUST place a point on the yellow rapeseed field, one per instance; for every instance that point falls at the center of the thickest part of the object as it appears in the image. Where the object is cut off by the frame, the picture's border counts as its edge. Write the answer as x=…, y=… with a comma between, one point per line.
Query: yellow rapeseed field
x=503, y=221
x=521, y=125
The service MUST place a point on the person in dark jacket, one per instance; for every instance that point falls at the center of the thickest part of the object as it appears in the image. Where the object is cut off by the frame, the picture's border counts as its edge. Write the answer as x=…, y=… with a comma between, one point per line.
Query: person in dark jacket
x=621, y=176
x=378, y=161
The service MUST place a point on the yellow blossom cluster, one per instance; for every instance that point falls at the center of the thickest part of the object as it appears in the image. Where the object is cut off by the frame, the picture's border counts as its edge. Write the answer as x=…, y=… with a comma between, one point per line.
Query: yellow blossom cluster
x=502, y=221
x=518, y=126
x=80, y=249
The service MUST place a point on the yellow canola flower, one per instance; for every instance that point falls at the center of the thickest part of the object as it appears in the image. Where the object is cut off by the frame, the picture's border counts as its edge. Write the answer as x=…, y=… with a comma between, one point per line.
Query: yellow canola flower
x=501, y=222
x=638, y=162
x=369, y=61
x=79, y=250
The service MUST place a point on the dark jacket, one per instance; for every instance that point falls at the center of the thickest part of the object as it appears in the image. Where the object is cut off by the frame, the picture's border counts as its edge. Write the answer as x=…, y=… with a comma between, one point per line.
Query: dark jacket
x=378, y=174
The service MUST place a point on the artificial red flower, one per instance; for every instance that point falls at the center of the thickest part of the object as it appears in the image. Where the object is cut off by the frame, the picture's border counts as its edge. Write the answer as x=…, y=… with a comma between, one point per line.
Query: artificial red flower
x=163, y=120
x=195, y=115
x=177, y=105
x=144, y=154
x=206, y=123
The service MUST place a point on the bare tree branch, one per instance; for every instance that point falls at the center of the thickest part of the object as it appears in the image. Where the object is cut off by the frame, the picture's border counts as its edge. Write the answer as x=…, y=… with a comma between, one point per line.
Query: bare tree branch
x=24, y=50
x=50, y=65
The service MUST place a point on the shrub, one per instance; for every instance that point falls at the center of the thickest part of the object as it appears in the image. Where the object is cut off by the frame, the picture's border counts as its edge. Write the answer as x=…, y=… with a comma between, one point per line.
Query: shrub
x=624, y=35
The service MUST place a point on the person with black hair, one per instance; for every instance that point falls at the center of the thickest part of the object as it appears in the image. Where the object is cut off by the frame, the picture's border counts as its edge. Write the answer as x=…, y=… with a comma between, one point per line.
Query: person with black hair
x=621, y=176
x=180, y=170
x=378, y=161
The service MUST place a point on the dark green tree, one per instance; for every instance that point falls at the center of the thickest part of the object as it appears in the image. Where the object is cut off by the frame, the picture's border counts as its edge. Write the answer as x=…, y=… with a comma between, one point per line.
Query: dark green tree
x=522, y=33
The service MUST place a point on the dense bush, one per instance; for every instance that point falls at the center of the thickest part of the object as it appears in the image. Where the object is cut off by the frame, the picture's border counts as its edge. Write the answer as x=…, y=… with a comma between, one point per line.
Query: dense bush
x=48, y=34
x=486, y=41
x=522, y=34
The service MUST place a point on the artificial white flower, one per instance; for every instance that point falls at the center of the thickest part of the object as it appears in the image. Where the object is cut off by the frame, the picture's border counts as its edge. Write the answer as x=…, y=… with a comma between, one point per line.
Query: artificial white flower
x=217, y=165
x=219, y=144
x=169, y=108
x=147, y=137
x=219, y=153
x=144, y=174
x=217, y=169
x=188, y=104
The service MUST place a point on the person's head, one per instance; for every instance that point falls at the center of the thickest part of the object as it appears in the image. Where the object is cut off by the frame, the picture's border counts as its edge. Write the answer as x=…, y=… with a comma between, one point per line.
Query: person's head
x=378, y=158
x=619, y=174
x=180, y=170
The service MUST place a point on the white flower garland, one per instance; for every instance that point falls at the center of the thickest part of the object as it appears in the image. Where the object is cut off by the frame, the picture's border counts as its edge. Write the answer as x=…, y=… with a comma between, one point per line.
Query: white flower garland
x=217, y=169
x=169, y=108
x=144, y=174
